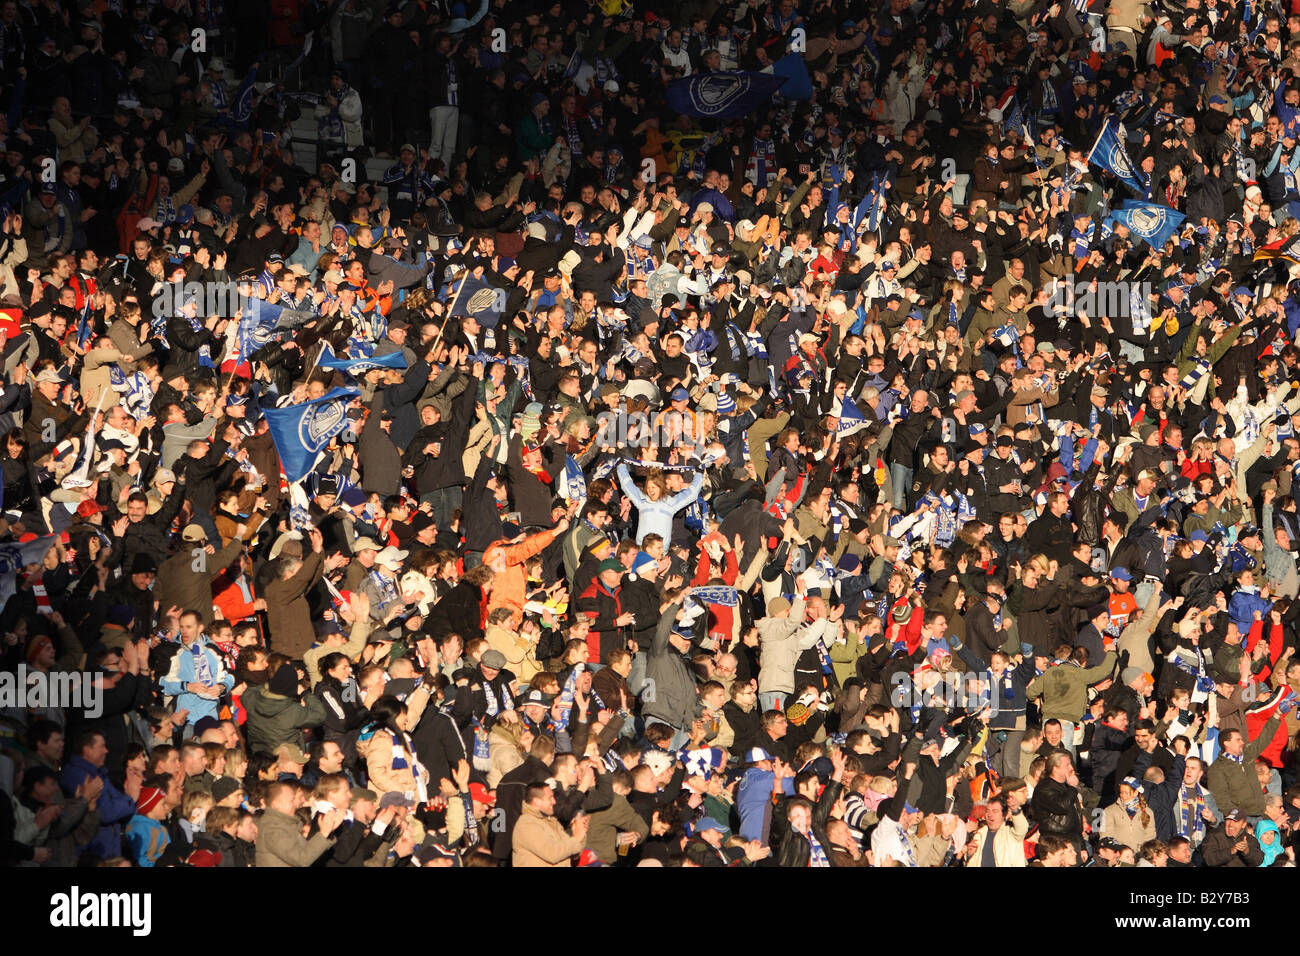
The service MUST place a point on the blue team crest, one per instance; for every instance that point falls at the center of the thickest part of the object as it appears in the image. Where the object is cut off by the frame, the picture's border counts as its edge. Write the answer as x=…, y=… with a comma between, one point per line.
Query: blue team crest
x=320, y=423
x=1149, y=220
x=716, y=94
x=726, y=94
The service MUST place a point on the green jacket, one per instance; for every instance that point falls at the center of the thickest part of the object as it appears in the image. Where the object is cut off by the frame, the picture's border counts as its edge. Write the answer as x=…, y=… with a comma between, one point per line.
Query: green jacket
x=844, y=658
x=275, y=720
x=1064, y=688
x=607, y=824
x=1235, y=785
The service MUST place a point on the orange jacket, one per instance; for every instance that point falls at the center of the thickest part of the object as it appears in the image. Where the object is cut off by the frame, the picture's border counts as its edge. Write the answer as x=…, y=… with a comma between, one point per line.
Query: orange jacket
x=510, y=587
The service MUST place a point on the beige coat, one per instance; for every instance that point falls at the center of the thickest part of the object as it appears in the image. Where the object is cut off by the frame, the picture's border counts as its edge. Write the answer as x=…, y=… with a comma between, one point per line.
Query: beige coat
x=1008, y=843
x=542, y=841
x=280, y=841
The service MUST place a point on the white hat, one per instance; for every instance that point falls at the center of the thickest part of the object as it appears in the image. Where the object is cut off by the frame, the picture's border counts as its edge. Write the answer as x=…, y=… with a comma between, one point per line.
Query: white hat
x=570, y=262
x=391, y=557
x=217, y=65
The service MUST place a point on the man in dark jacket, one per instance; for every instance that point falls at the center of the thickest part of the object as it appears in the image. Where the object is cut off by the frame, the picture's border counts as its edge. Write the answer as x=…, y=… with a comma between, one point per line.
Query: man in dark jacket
x=806, y=843
x=1056, y=803
x=1232, y=843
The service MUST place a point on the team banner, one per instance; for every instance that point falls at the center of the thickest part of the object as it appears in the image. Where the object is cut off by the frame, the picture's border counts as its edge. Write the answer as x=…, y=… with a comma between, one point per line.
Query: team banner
x=726, y=94
x=301, y=432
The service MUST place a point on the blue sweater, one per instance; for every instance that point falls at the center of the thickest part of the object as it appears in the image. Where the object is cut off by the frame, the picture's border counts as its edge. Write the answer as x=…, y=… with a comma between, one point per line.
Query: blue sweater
x=114, y=806
x=656, y=517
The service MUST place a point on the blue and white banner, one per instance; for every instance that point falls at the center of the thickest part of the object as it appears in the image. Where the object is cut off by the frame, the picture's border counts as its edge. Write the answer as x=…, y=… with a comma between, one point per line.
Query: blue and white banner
x=715, y=594
x=726, y=94
x=357, y=367
x=1111, y=155
x=15, y=556
x=1150, y=222
x=477, y=299
x=851, y=419
x=301, y=432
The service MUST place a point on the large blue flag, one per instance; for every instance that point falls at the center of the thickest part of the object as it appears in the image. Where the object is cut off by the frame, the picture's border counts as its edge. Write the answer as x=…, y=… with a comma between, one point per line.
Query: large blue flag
x=798, y=85
x=301, y=432
x=726, y=94
x=476, y=298
x=1150, y=222
x=1111, y=155
x=357, y=367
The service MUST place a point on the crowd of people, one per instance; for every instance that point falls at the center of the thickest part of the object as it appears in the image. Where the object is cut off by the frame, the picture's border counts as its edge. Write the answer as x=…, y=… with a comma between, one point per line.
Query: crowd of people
x=552, y=473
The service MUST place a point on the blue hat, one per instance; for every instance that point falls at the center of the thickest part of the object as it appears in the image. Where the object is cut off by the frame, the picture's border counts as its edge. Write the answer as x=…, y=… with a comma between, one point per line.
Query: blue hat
x=937, y=646
x=1198, y=535
x=642, y=562
x=726, y=404
x=679, y=394
x=1121, y=574
x=835, y=131
x=184, y=214
x=977, y=429
x=809, y=137
x=756, y=754
x=1242, y=290
x=886, y=264
x=644, y=241
x=708, y=823
x=916, y=314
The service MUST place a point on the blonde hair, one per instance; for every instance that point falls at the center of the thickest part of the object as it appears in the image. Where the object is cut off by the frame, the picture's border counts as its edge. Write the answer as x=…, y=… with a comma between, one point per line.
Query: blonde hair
x=195, y=800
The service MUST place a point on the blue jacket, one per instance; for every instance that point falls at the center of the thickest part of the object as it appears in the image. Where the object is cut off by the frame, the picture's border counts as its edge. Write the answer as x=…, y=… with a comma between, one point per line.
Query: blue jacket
x=656, y=517
x=1242, y=608
x=754, y=802
x=115, y=807
x=181, y=674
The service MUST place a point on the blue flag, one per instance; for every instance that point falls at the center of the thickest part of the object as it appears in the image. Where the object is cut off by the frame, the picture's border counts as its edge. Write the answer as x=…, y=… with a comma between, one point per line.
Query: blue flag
x=798, y=85
x=257, y=325
x=241, y=107
x=872, y=208
x=301, y=432
x=1012, y=119
x=482, y=301
x=726, y=94
x=1111, y=155
x=357, y=367
x=1150, y=222
x=851, y=419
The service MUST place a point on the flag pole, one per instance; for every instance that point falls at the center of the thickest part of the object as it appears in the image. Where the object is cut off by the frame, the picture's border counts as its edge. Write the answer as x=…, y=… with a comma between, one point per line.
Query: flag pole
x=451, y=304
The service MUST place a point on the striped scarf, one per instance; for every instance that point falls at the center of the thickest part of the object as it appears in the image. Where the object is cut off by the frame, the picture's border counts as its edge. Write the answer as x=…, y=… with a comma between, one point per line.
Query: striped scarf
x=1191, y=801
x=816, y=855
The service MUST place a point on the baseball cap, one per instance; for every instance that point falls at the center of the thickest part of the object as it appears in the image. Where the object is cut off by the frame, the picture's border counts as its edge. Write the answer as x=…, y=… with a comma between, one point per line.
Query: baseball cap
x=1121, y=574
x=291, y=752
x=757, y=754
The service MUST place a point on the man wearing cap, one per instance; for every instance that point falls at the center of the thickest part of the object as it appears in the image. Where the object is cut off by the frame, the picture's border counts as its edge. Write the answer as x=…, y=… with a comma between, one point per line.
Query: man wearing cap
x=602, y=606
x=185, y=579
x=1232, y=843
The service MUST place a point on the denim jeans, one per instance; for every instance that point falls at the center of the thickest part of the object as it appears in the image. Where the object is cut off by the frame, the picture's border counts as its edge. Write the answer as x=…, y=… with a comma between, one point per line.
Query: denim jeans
x=900, y=478
x=444, y=501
